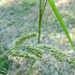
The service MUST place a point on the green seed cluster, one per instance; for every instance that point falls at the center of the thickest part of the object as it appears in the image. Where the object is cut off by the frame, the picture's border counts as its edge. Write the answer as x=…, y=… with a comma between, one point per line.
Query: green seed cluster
x=56, y=53
x=22, y=39
x=71, y=61
x=59, y=55
x=46, y=46
x=23, y=54
x=36, y=51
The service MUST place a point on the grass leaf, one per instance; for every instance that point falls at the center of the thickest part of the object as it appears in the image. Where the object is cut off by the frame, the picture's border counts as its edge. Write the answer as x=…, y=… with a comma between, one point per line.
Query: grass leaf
x=51, y=2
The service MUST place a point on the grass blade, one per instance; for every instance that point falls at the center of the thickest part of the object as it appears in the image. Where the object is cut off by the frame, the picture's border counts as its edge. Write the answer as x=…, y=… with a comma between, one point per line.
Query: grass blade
x=54, y=8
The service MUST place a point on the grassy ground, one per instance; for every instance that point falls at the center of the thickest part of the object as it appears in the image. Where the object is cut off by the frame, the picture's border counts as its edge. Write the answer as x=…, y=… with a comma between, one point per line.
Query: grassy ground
x=23, y=16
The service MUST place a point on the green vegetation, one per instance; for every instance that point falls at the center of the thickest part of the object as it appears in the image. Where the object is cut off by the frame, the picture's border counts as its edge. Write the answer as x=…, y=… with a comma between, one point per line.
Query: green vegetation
x=35, y=52
x=60, y=20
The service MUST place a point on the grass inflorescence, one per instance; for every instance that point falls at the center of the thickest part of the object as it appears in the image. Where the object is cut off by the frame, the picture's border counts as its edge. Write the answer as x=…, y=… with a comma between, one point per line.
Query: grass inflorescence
x=23, y=38
x=37, y=51
x=59, y=55
x=23, y=54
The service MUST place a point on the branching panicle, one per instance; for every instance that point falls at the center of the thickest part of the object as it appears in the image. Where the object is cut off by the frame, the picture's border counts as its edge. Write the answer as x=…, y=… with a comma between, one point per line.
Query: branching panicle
x=59, y=55
x=23, y=54
x=36, y=51
x=23, y=38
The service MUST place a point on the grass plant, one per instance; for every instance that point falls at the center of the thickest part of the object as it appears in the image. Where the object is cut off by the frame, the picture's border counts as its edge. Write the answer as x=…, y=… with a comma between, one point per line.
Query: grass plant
x=36, y=52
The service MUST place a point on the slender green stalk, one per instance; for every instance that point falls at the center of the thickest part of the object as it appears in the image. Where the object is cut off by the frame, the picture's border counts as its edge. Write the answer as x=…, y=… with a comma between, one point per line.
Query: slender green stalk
x=51, y=2
x=40, y=21
x=44, y=7
x=41, y=12
x=31, y=67
x=39, y=32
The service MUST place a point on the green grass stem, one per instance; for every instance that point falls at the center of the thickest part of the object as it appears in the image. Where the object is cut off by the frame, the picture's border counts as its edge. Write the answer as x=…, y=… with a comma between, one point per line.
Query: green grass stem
x=40, y=21
x=44, y=7
x=39, y=32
